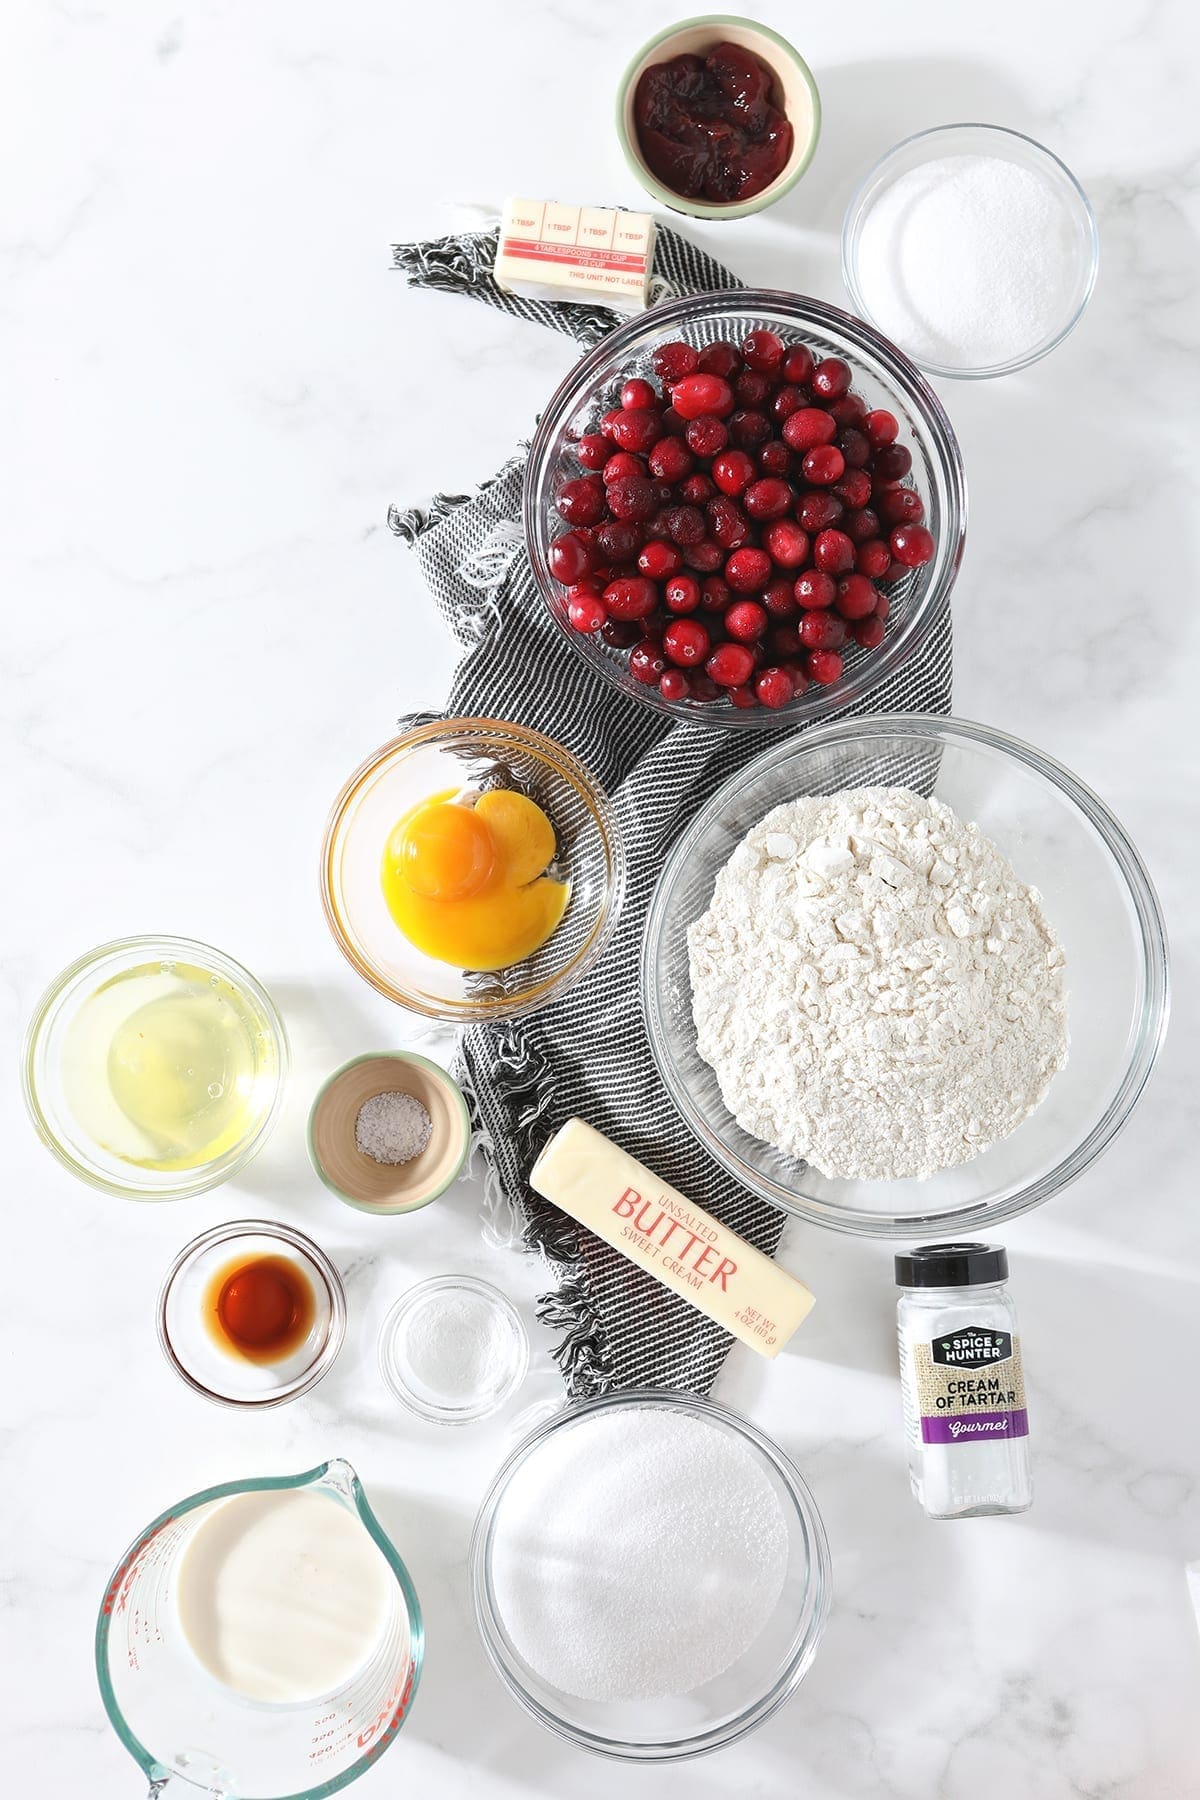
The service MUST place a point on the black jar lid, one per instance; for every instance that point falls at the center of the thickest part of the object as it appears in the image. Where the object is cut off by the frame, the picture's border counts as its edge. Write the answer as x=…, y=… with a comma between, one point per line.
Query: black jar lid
x=951, y=1265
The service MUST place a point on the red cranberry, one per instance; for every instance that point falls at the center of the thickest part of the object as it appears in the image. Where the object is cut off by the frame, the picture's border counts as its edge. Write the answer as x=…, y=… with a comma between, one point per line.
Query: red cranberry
x=632, y=497
x=854, y=489
x=593, y=450
x=717, y=592
x=749, y=428
x=751, y=388
x=778, y=598
x=620, y=633
x=883, y=607
x=723, y=359
x=807, y=427
x=769, y=498
x=570, y=558
x=727, y=522
x=868, y=632
x=670, y=460
x=896, y=571
x=763, y=350
x=773, y=688
x=775, y=458
x=658, y=560
x=784, y=641
x=705, y=556
x=831, y=378
x=881, y=427
x=744, y=697
x=674, y=362
x=855, y=598
x=833, y=552
x=647, y=662
x=581, y=502
x=817, y=510
x=638, y=393
x=673, y=684
x=815, y=588
x=787, y=543
x=823, y=465
x=850, y=410
x=730, y=665
x=707, y=435
x=586, y=613
x=787, y=400
x=685, y=524
x=912, y=545
x=618, y=540
x=697, y=394
x=861, y=527
x=659, y=526
x=746, y=621
x=732, y=471
x=798, y=364
x=748, y=570
x=609, y=420
x=673, y=425
x=630, y=597
x=892, y=462
x=824, y=667
x=855, y=446
x=697, y=489
x=900, y=506
x=822, y=631
x=637, y=430
x=799, y=678
x=873, y=558
x=685, y=642
x=681, y=594
x=701, y=686
x=622, y=463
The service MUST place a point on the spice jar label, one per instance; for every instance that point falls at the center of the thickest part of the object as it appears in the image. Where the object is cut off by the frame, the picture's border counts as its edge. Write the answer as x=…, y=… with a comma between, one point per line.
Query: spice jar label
x=970, y=1386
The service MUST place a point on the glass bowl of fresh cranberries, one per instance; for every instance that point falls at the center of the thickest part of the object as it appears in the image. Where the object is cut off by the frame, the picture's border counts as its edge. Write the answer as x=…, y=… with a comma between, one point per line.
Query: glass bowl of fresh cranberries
x=745, y=508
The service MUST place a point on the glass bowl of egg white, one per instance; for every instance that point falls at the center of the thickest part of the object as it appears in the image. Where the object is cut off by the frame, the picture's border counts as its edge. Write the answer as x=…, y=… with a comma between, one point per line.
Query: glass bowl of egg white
x=472, y=869
x=905, y=975
x=154, y=1067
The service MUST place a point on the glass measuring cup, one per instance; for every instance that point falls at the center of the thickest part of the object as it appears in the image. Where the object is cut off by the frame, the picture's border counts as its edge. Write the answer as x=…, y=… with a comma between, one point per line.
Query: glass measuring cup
x=196, y=1740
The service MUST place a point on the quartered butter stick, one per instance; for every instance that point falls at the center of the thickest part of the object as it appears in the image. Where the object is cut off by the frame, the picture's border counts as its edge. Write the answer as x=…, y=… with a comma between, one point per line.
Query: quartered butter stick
x=689, y=1251
x=588, y=255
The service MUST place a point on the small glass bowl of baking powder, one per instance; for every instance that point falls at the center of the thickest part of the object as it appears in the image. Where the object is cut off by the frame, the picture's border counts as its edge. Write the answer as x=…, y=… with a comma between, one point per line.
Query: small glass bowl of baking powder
x=453, y=1349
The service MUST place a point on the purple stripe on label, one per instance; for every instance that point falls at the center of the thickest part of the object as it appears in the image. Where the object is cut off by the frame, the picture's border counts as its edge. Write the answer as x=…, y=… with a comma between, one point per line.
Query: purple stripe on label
x=965, y=1428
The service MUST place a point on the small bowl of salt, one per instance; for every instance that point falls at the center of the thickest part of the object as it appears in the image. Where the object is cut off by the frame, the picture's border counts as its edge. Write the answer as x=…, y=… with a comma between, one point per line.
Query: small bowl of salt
x=453, y=1349
x=973, y=248
x=389, y=1131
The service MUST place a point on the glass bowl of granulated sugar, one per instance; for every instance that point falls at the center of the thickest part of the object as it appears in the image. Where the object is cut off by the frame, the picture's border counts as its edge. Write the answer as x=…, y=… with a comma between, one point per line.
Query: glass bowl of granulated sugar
x=905, y=975
x=971, y=247
x=650, y=1575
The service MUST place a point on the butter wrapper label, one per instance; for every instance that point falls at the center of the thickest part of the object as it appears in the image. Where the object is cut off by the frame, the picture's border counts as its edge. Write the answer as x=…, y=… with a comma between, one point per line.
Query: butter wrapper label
x=663, y=1232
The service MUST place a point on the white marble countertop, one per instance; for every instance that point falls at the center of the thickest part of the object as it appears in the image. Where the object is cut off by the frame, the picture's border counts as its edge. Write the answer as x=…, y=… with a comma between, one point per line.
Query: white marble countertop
x=213, y=387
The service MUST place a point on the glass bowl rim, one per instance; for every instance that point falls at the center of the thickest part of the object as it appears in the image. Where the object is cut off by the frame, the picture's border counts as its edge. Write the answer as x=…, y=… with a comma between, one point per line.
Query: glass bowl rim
x=1150, y=1030
x=567, y=766
x=855, y=213
x=334, y=1337
x=210, y=1175
x=818, y=1585
x=937, y=433
x=706, y=209
x=411, y=1297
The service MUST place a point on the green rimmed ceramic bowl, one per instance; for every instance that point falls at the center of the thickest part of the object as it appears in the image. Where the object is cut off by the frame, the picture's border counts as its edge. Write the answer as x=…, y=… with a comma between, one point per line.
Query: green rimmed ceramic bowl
x=358, y=1179
x=795, y=93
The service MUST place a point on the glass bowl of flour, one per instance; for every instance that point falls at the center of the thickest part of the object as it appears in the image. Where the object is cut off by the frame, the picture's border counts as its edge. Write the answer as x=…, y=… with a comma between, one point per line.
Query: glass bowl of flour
x=905, y=975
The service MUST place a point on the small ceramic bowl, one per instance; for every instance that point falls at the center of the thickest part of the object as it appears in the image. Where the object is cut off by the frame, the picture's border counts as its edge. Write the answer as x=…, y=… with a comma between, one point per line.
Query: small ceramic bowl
x=358, y=1179
x=795, y=94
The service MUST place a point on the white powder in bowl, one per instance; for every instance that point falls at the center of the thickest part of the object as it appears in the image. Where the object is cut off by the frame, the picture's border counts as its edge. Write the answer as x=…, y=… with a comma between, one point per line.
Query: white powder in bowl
x=969, y=261
x=457, y=1347
x=637, y=1554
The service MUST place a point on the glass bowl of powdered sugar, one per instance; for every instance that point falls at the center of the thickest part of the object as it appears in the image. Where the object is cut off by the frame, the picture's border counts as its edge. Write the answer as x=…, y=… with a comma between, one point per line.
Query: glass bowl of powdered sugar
x=973, y=248
x=650, y=1575
x=905, y=975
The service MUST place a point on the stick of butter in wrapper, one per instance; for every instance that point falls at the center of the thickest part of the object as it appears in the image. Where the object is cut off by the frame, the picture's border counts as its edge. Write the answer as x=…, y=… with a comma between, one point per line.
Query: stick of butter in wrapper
x=689, y=1251
x=587, y=255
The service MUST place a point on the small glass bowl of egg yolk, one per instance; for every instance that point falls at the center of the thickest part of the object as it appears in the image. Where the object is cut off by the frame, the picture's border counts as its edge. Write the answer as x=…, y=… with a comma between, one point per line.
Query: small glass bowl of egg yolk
x=472, y=869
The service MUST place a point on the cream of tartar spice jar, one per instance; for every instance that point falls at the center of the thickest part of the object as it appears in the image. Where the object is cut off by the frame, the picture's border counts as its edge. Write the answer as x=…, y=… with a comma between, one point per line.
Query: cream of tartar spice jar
x=962, y=1381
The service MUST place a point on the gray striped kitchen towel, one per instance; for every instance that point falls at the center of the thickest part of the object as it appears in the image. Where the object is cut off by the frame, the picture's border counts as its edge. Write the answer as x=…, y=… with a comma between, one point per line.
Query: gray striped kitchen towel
x=587, y=1054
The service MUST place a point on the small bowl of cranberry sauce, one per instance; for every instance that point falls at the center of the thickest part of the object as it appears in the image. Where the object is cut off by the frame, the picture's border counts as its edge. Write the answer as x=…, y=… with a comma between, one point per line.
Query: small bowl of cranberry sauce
x=718, y=117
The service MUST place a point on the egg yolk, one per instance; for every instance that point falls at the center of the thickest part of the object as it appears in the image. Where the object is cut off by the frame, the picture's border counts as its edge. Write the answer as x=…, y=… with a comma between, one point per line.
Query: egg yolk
x=467, y=884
